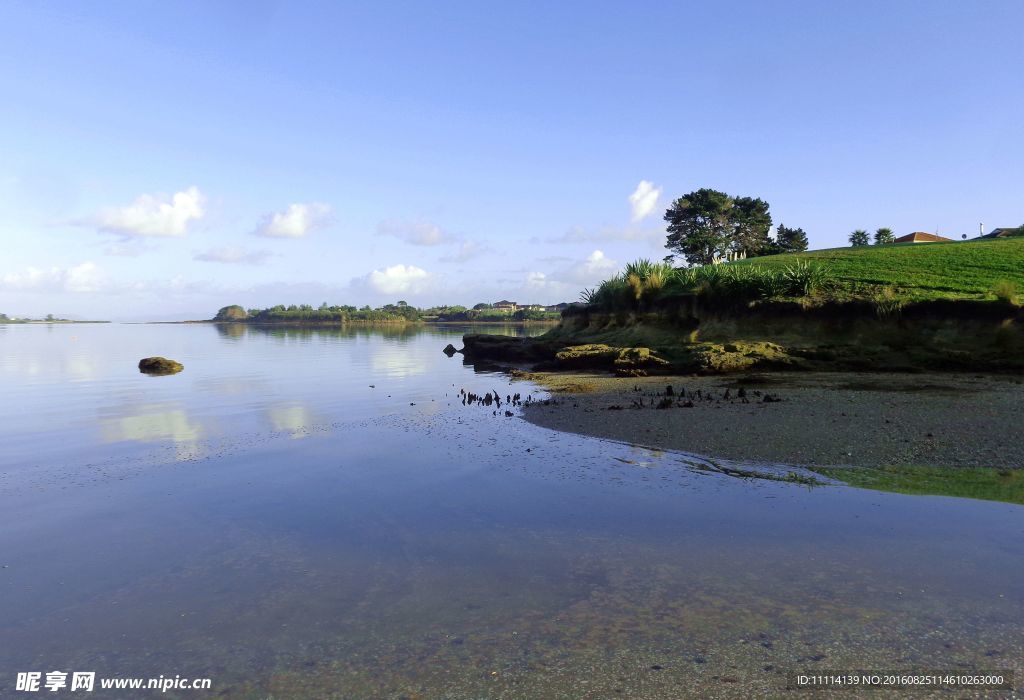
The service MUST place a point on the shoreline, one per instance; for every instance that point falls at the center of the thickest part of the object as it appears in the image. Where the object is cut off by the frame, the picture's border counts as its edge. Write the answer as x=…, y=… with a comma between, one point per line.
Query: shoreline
x=813, y=420
x=314, y=324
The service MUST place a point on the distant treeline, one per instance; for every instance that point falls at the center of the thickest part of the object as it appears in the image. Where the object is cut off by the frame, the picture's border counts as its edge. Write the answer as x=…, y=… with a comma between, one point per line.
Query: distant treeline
x=400, y=312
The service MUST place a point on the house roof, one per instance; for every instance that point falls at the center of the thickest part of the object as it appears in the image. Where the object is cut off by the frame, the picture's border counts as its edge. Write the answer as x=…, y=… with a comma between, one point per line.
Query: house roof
x=1000, y=233
x=504, y=302
x=922, y=237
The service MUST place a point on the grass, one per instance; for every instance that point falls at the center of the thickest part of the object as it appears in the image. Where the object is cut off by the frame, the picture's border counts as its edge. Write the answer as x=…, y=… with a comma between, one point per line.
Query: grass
x=1006, y=485
x=976, y=269
x=888, y=276
x=644, y=281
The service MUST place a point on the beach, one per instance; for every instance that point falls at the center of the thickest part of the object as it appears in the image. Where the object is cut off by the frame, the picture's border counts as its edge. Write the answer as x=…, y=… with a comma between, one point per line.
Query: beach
x=807, y=419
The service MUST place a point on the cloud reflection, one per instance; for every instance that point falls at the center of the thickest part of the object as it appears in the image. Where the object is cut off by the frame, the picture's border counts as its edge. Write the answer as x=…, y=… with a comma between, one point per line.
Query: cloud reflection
x=157, y=423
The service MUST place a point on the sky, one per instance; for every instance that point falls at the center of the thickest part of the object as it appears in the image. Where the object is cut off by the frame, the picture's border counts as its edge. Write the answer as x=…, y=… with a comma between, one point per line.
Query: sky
x=161, y=160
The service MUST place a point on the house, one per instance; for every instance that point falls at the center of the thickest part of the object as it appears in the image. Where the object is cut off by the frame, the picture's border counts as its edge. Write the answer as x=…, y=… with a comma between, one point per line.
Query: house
x=1003, y=233
x=532, y=307
x=922, y=237
x=504, y=305
x=557, y=307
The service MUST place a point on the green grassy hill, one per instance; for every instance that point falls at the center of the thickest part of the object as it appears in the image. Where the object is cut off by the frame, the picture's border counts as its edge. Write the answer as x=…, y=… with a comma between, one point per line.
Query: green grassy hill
x=916, y=271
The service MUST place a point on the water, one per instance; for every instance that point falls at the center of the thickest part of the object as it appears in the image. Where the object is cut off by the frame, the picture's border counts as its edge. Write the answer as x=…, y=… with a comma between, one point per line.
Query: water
x=314, y=514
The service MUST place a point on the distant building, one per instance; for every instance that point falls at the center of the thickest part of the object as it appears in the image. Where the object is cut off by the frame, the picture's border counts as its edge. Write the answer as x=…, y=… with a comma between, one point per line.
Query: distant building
x=922, y=237
x=504, y=305
x=1002, y=233
x=532, y=307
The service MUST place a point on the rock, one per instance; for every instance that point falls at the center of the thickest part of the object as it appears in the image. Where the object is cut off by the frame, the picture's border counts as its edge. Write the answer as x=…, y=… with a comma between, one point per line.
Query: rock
x=629, y=362
x=159, y=365
x=480, y=346
x=449, y=350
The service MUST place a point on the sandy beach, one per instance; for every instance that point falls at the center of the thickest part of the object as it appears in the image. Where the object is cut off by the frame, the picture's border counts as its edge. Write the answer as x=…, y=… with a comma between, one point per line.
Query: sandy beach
x=840, y=419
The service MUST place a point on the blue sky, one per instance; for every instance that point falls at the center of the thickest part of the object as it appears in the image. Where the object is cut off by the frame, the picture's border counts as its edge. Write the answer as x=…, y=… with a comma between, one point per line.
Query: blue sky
x=159, y=160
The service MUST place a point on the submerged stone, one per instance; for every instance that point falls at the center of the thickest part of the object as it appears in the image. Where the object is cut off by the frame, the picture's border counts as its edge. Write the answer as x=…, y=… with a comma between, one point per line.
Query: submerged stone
x=159, y=365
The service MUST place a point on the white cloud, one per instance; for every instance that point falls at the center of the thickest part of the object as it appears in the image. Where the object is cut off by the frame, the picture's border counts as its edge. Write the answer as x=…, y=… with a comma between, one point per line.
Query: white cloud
x=643, y=200
x=398, y=279
x=152, y=215
x=424, y=233
x=538, y=281
x=233, y=256
x=467, y=251
x=85, y=277
x=295, y=221
x=596, y=264
x=577, y=234
x=415, y=232
x=572, y=278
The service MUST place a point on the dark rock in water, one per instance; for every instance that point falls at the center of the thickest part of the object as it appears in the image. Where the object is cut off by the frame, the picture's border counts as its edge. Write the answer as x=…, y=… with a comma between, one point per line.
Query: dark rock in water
x=159, y=365
x=449, y=350
x=480, y=346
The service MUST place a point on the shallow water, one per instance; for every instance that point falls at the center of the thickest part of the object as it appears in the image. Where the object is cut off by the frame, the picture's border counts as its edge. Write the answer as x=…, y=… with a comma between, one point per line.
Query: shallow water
x=315, y=514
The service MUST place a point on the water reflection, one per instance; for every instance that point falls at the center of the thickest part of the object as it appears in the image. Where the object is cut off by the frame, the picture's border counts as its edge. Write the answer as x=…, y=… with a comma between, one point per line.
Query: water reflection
x=396, y=361
x=231, y=331
x=294, y=420
x=156, y=423
x=438, y=550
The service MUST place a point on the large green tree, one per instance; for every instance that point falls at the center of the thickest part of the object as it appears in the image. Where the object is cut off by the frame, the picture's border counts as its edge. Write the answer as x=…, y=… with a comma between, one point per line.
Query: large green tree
x=751, y=223
x=790, y=240
x=231, y=313
x=859, y=237
x=700, y=226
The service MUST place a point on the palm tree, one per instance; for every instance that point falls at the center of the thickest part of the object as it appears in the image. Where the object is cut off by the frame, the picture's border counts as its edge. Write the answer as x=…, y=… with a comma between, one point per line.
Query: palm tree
x=859, y=238
x=884, y=236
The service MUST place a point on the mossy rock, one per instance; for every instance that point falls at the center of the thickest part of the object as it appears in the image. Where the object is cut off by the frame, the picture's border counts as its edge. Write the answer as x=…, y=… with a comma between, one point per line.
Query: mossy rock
x=717, y=358
x=594, y=356
x=159, y=365
x=638, y=358
x=598, y=356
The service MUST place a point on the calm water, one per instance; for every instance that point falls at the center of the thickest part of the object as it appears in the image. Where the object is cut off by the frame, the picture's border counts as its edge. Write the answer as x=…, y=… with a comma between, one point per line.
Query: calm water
x=314, y=514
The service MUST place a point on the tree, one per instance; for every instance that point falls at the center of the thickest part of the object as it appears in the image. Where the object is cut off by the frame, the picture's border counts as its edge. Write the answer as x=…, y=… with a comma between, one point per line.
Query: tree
x=700, y=225
x=751, y=223
x=790, y=240
x=884, y=236
x=859, y=238
x=231, y=313
x=49, y=317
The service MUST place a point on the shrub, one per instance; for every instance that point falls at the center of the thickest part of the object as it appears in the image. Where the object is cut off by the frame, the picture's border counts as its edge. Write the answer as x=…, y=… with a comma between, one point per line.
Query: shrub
x=645, y=281
x=1005, y=291
x=887, y=304
x=803, y=278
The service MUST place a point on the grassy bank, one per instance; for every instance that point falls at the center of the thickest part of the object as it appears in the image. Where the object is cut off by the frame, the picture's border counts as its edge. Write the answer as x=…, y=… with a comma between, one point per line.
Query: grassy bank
x=915, y=307
x=975, y=269
x=887, y=276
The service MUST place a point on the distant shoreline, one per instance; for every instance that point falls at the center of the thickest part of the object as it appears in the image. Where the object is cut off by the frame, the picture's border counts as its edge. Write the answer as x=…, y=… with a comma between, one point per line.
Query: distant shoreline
x=402, y=322
x=35, y=322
